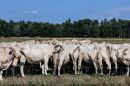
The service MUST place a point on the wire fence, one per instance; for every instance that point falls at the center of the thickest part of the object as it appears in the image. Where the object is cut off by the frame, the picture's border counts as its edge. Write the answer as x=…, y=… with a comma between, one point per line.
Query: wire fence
x=33, y=75
x=36, y=70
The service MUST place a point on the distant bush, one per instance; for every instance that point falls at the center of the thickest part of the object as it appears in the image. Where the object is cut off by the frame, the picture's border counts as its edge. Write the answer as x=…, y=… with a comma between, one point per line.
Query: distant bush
x=113, y=28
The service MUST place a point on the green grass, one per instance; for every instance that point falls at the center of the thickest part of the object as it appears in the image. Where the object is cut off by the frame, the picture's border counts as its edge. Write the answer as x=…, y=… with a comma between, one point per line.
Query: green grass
x=66, y=80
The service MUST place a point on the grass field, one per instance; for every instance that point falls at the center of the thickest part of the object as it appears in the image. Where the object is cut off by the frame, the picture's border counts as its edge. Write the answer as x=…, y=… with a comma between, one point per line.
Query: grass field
x=65, y=79
x=19, y=39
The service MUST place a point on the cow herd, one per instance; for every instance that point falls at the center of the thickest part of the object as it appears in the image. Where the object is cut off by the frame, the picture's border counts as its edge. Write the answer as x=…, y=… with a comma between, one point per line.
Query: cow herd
x=60, y=52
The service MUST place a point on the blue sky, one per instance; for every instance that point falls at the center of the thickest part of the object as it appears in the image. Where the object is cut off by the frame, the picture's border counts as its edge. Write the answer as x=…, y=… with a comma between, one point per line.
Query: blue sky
x=57, y=11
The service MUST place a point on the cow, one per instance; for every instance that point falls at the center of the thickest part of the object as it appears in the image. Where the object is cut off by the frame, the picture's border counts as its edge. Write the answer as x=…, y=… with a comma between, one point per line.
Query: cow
x=33, y=53
x=89, y=53
x=104, y=55
x=6, y=59
x=124, y=55
x=64, y=54
x=85, y=41
x=114, y=55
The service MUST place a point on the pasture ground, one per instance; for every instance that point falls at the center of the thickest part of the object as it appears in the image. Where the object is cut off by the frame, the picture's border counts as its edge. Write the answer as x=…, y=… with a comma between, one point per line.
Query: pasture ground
x=19, y=39
x=65, y=79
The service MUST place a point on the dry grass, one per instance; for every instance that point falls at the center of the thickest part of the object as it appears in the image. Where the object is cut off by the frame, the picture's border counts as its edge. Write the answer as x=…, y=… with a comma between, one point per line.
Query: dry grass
x=19, y=39
x=66, y=80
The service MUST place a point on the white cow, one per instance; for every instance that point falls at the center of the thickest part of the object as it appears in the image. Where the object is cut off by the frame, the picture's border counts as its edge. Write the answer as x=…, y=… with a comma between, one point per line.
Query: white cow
x=64, y=55
x=124, y=55
x=89, y=52
x=104, y=54
x=77, y=60
x=6, y=58
x=33, y=53
x=87, y=41
x=114, y=55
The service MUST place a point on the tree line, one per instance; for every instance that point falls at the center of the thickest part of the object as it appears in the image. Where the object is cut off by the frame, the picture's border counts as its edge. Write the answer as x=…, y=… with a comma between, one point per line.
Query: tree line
x=113, y=28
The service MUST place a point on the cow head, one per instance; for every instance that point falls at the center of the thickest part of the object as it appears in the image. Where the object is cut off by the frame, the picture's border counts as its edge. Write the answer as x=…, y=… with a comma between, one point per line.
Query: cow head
x=121, y=52
x=15, y=50
x=124, y=52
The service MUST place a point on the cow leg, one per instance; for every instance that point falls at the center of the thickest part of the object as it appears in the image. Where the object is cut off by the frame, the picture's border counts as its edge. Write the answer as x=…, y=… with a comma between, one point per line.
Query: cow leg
x=13, y=70
x=55, y=63
x=54, y=67
x=128, y=70
x=75, y=66
x=1, y=72
x=95, y=65
x=116, y=67
x=101, y=66
x=14, y=64
x=22, y=63
x=59, y=66
x=40, y=65
x=79, y=66
x=43, y=67
x=46, y=65
x=109, y=65
x=22, y=70
x=54, y=70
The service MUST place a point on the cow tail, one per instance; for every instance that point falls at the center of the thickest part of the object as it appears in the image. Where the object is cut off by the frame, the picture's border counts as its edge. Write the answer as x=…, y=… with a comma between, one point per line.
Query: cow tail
x=58, y=60
x=77, y=48
x=98, y=53
x=109, y=51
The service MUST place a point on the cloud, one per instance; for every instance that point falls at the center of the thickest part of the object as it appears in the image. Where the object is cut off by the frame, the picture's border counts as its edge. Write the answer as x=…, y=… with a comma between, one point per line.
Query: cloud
x=34, y=12
x=121, y=10
x=118, y=12
x=31, y=12
x=25, y=12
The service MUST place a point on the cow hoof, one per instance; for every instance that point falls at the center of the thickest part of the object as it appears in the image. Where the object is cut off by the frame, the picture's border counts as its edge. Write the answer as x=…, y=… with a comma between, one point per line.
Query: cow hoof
x=58, y=76
x=45, y=74
x=54, y=74
x=76, y=73
x=108, y=74
x=101, y=75
x=113, y=73
x=96, y=75
x=22, y=76
x=127, y=75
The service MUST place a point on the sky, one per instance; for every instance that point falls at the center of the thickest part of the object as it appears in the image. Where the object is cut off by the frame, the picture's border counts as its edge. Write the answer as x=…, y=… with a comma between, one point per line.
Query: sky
x=57, y=11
